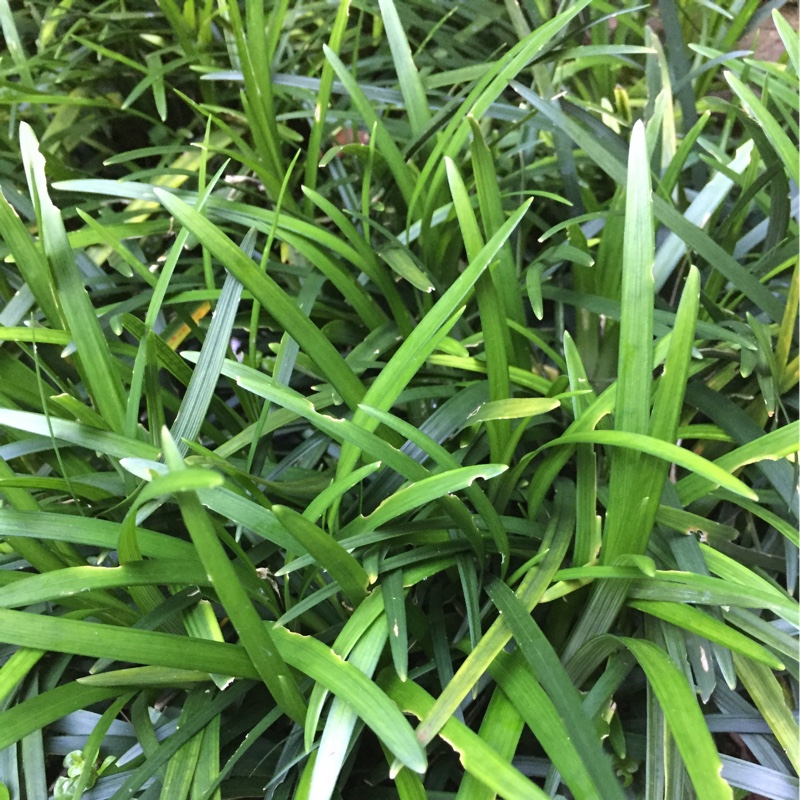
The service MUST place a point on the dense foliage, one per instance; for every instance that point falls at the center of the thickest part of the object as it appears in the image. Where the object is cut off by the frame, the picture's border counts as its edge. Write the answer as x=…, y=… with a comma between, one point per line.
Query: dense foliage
x=398, y=400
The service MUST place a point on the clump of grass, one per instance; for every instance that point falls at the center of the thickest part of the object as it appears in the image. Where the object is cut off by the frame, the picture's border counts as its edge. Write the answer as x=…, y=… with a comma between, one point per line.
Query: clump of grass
x=397, y=402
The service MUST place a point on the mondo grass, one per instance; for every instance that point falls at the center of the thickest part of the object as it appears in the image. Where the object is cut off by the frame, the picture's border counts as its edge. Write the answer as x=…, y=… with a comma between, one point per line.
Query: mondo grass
x=398, y=401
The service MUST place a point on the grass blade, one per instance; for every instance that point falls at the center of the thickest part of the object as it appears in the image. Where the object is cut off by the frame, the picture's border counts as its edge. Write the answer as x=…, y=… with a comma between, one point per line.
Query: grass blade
x=97, y=365
x=394, y=599
x=500, y=729
x=504, y=272
x=407, y=75
x=623, y=532
x=304, y=653
x=478, y=759
x=684, y=718
x=385, y=144
x=533, y=586
x=253, y=634
x=768, y=696
x=112, y=444
x=418, y=345
x=47, y=707
x=495, y=80
x=336, y=735
x=495, y=331
x=788, y=38
x=772, y=129
x=704, y=470
x=693, y=236
x=550, y=674
x=201, y=388
x=327, y=553
x=421, y=493
x=30, y=261
x=271, y=297
x=704, y=625
x=323, y=99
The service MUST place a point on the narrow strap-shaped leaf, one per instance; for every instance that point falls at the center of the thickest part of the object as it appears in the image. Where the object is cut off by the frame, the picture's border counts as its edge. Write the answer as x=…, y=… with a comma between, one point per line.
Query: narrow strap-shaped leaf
x=394, y=599
x=587, y=534
x=551, y=675
x=446, y=460
x=488, y=88
x=504, y=272
x=96, y=362
x=255, y=61
x=407, y=74
x=94, y=532
x=545, y=723
x=201, y=388
x=477, y=757
x=704, y=205
x=347, y=681
x=707, y=470
x=73, y=580
x=420, y=493
x=200, y=621
x=495, y=332
x=105, y=233
x=317, y=507
x=773, y=446
x=48, y=707
x=272, y=297
x=335, y=740
x=146, y=647
x=112, y=444
x=354, y=629
x=641, y=484
x=323, y=96
x=163, y=752
x=16, y=668
x=500, y=729
x=386, y=145
x=180, y=770
x=345, y=430
x=417, y=346
x=668, y=400
x=30, y=261
x=624, y=525
x=689, y=587
x=146, y=366
x=696, y=621
x=774, y=131
x=327, y=553
x=515, y=408
x=768, y=696
x=745, y=431
x=787, y=34
x=755, y=778
x=533, y=586
x=693, y=236
x=372, y=267
x=253, y=634
x=684, y=718
x=208, y=771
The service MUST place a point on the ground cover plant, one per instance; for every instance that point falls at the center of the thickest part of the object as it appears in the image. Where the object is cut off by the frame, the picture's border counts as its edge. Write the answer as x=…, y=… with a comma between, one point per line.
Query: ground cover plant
x=398, y=400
